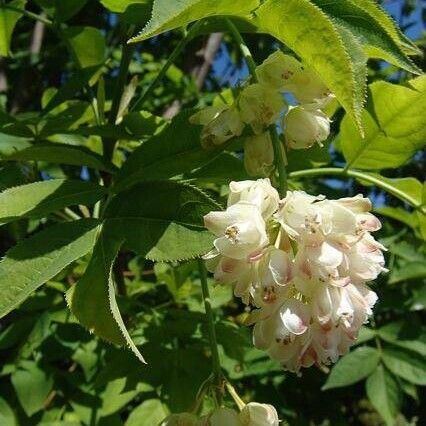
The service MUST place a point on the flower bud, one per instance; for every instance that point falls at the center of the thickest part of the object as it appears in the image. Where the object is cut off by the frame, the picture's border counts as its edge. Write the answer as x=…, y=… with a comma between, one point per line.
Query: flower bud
x=278, y=70
x=224, y=416
x=308, y=87
x=181, y=419
x=303, y=127
x=220, y=124
x=255, y=414
x=258, y=192
x=258, y=155
x=260, y=105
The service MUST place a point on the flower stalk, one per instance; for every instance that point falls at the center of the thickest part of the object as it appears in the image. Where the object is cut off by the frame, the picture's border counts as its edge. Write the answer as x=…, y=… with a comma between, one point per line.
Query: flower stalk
x=217, y=371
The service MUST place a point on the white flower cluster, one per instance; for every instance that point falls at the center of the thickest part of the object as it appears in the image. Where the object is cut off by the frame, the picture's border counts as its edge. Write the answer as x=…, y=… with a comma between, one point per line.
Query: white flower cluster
x=260, y=104
x=303, y=263
x=252, y=414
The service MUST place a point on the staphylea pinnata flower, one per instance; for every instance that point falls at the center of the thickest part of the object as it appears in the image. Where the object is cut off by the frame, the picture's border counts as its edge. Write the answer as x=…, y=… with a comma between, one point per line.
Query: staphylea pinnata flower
x=303, y=264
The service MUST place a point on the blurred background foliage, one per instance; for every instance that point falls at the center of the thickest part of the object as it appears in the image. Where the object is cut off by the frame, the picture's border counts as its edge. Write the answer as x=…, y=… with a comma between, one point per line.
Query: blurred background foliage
x=53, y=372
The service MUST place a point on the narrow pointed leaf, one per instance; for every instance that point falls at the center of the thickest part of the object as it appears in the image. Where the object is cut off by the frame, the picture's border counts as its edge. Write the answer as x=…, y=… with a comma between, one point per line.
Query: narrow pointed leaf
x=353, y=367
x=92, y=299
x=41, y=198
x=384, y=393
x=39, y=258
x=8, y=20
x=168, y=15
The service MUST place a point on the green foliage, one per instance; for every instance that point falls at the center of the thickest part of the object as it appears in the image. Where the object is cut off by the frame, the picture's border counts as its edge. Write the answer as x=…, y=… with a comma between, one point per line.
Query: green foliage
x=150, y=412
x=163, y=222
x=41, y=198
x=8, y=20
x=384, y=393
x=101, y=316
x=60, y=154
x=352, y=368
x=32, y=386
x=394, y=128
x=39, y=258
x=166, y=16
x=60, y=9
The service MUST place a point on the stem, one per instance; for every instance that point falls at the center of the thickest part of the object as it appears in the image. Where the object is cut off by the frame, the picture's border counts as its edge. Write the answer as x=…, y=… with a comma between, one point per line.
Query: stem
x=178, y=49
x=362, y=176
x=217, y=372
x=279, y=149
x=240, y=403
x=279, y=157
x=243, y=47
x=27, y=13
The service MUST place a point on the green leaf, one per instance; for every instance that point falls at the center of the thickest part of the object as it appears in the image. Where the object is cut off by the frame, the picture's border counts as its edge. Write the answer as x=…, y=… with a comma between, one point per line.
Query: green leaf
x=150, y=412
x=368, y=31
x=406, y=364
x=40, y=257
x=163, y=221
x=101, y=316
x=142, y=123
x=157, y=158
x=77, y=82
x=387, y=23
x=365, y=334
x=384, y=393
x=394, y=127
x=400, y=214
x=167, y=16
x=7, y=416
x=408, y=271
x=87, y=44
x=120, y=6
x=41, y=198
x=353, y=367
x=62, y=10
x=32, y=386
x=310, y=33
x=8, y=20
x=406, y=335
x=61, y=154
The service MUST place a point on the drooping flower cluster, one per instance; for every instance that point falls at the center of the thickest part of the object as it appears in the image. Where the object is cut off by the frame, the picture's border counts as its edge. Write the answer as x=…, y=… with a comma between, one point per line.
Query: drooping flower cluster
x=252, y=414
x=261, y=104
x=303, y=263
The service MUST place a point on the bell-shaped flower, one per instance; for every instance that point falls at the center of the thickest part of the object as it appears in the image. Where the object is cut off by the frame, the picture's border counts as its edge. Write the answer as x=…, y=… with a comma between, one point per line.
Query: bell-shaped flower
x=304, y=127
x=240, y=273
x=308, y=88
x=240, y=230
x=258, y=155
x=278, y=70
x=260, y=106
x=255, y=414
x=220, y=124
x=224, y=416
x=258, y=192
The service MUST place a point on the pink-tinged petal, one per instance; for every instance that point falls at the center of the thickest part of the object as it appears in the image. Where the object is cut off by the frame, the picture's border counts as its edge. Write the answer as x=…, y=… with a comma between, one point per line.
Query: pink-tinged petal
x=280, y=266
x=357, y=204
x=368, y=222
x=295, y=317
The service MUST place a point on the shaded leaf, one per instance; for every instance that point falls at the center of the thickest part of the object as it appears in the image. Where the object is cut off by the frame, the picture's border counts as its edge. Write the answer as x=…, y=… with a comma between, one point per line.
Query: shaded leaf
x=101, y=315
x=406, y=364
x=150, y=412
x=39, y=258
x=8, y=20
x=384, y=393
x=353, y=367
x=161, y=220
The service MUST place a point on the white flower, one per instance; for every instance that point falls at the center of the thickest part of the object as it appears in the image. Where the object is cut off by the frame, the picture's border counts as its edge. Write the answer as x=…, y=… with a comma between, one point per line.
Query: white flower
x=240, y=273
x=240, y=228
x=260, y=106
x=304, y=127
x=278, y=70
x=220, y=124
x=308, y=88
x=255, y=414
x=224, y=416
x=258, y=192
x=258, y=155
